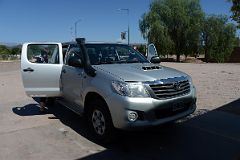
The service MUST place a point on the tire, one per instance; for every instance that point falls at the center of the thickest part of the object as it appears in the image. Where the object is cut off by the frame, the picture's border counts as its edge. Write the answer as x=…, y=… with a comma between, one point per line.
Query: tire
x=100, y=121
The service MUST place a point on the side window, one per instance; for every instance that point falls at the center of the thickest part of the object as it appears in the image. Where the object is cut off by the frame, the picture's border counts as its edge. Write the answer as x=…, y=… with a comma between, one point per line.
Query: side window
x=151, y=51
x=41, y=53
x=73, y=53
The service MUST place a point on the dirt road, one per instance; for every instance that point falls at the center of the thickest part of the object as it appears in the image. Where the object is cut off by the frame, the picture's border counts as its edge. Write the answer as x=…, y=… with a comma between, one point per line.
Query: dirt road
x=217, y=84
x=25, y=135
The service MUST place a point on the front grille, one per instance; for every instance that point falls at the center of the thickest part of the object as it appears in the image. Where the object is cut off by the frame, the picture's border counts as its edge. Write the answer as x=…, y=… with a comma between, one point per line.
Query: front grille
x=171, y=89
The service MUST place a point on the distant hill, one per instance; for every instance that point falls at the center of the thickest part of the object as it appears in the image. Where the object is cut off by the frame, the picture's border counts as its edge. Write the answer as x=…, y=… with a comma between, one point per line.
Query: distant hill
x=10, y=45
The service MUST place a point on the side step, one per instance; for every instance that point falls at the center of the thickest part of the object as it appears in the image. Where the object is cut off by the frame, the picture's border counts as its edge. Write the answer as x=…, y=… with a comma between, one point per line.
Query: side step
x=74, y=108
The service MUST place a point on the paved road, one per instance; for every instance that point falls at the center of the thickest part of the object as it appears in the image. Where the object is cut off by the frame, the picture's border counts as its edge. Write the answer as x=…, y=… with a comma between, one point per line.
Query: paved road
x=24, y=134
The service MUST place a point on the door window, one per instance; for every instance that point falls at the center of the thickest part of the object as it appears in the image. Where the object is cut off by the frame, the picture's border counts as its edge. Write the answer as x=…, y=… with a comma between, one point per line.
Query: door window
x=152, y=50
x=74, y=53
x=41, y=53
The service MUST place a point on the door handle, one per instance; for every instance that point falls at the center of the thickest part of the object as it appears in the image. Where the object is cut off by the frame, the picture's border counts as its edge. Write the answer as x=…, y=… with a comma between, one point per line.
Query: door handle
x=28, y=69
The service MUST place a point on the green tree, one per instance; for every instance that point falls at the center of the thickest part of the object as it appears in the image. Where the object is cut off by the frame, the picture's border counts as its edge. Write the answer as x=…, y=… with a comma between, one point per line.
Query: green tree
x=174, y=26
x=218, y=38
x=15, y=51
x=156, y=33
x=142, y=49
x=4, y=50
x=235, y=11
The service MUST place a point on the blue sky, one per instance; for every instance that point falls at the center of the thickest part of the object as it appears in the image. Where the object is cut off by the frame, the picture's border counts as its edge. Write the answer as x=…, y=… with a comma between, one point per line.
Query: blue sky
x=51, y=20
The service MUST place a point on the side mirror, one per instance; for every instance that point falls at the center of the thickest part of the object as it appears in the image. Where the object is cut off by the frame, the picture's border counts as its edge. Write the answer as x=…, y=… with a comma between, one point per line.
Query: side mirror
x=155, y=60
x=75, y=62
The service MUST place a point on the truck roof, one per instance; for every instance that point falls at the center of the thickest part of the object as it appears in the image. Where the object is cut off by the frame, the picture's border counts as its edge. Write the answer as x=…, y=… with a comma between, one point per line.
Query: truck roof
x=92, y=42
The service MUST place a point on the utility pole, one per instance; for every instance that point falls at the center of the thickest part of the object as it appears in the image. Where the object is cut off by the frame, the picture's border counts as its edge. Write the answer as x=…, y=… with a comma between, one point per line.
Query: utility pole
x=75, y=25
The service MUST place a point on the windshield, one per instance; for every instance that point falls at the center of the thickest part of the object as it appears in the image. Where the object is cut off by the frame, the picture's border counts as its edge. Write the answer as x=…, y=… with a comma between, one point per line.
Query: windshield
x=113, y=53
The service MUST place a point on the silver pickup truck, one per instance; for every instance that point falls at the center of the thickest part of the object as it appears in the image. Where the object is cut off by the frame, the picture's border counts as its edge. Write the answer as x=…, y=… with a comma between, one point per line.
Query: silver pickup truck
x=114, y=85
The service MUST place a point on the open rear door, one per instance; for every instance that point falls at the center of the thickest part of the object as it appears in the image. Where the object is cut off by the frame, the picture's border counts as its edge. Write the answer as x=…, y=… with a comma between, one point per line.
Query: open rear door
x=151, y=51
x=41, y=66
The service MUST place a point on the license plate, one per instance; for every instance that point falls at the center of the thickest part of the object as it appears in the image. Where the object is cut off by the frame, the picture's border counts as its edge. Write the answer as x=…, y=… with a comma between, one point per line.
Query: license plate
x=177, y=106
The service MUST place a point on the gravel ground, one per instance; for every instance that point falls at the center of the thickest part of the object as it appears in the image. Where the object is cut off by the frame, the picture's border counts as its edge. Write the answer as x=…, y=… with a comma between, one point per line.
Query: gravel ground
x=7, y=66
x=217, y=84
x=26, y=135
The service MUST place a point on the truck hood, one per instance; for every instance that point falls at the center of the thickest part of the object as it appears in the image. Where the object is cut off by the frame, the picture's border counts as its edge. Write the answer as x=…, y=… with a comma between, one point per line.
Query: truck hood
x=139, y=72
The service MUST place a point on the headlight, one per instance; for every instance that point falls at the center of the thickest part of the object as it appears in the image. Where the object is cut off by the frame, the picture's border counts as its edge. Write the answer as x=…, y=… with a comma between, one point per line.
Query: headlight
x=137, y=90
x=130, y=89
x=120, y=88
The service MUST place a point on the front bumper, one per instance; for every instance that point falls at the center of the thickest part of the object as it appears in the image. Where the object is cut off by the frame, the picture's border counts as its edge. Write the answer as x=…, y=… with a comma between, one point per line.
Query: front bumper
x=151, y=112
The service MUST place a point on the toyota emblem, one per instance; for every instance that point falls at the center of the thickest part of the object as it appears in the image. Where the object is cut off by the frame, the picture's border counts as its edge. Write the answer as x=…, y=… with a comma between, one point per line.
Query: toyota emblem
x=177, y=86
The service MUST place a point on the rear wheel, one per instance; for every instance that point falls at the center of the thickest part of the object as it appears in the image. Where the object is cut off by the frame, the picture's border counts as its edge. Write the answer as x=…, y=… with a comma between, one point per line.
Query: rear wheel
x=100, y=121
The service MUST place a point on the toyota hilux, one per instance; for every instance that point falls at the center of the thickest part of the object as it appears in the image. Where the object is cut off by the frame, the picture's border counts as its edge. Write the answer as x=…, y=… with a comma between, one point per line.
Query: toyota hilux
x=111, y=84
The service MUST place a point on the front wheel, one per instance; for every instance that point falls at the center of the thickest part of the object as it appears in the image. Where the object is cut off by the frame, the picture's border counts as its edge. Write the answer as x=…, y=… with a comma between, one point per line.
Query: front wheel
x=100, y=121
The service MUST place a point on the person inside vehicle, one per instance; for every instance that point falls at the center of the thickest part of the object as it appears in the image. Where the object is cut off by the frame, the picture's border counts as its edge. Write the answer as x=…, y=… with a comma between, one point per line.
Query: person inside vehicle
x=44, y=59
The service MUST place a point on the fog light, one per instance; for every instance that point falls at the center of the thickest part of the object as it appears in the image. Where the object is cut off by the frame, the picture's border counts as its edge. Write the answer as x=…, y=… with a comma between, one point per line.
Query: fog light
x=132, y=116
